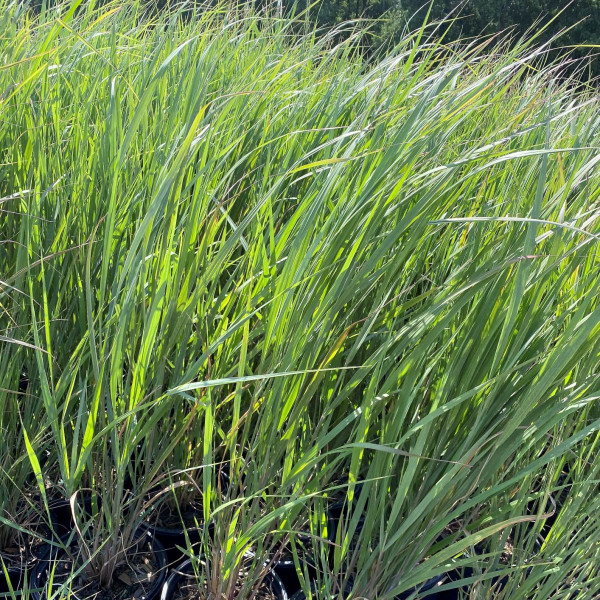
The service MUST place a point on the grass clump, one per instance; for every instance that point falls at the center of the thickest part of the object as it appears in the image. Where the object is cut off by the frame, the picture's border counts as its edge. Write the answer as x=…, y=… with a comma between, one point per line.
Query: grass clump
x=226, y=243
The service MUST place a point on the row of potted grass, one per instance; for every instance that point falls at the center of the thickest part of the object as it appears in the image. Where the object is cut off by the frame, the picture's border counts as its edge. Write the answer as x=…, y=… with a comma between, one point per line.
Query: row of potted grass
x=171, y=544
x=163, y=549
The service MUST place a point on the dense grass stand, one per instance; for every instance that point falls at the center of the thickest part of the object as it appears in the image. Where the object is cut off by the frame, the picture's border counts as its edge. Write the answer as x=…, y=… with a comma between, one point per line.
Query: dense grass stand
x=365, y=287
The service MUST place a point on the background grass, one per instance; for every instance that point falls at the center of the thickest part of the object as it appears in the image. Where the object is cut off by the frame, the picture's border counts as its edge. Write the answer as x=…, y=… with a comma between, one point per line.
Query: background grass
x=227, y=241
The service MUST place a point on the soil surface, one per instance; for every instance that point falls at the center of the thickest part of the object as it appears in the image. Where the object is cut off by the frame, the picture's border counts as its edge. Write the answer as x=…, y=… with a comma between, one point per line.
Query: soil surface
x=22, y=549
x=132, y=579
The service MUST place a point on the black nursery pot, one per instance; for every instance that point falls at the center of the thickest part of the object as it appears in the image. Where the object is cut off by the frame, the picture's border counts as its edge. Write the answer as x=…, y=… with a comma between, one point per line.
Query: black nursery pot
x=62, y=517
x=552, y=508
x=16, y=576
x=179, y=575
x=14, y=581
x=334, y=513
x=286, y=571
x=175, y=538
x=18, y=572
x=429, y=590
x=555, y=506
x=39, y=576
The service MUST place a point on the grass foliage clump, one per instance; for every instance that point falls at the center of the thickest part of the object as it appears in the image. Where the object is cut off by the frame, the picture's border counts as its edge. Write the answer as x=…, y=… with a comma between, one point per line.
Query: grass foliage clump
x=229, y=244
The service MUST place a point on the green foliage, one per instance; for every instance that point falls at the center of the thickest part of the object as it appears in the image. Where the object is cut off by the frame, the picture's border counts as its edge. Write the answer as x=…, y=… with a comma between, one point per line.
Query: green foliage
x=228, y=243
